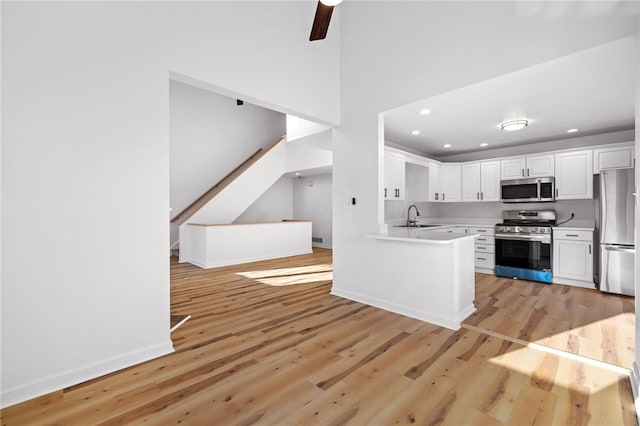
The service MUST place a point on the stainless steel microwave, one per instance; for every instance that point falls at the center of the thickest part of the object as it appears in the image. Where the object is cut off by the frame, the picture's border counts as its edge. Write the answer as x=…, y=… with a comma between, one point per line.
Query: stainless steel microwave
x=533, y=190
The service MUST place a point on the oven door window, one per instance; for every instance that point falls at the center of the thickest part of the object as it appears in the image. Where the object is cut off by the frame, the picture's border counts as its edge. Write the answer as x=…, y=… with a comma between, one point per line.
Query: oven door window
x=522, y=191
x=523, y=254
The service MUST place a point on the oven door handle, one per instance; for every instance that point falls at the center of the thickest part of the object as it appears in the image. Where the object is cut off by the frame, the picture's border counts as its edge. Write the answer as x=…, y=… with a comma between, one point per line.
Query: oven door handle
x=544, y=239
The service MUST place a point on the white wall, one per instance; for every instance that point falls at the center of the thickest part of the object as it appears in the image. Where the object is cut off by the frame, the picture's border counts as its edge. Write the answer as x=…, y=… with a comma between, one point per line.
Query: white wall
x=433, y=48
x=85, y=165
x=274, y=205
x=209, y=136
x=312, y=200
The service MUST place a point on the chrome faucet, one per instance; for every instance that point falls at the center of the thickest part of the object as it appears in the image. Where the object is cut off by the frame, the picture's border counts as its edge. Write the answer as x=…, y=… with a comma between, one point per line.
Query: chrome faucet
x=413, y=222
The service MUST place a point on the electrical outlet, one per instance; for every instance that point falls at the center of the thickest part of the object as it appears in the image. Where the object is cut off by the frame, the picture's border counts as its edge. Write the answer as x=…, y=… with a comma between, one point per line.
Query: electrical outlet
x=573, y=213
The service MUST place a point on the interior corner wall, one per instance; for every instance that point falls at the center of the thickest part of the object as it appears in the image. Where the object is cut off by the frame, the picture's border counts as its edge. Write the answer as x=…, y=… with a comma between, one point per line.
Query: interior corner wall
x=636, y=382
x=274, y=205
x=312, y=200
x=85, y=164
x=435, y=47
x=209, y=136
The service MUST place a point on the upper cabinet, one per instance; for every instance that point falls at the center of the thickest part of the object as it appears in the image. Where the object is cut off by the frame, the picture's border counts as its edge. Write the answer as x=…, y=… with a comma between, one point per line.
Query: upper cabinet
x=529, y=166
x=435, y=181
x=481, y=181
x=613, y=158
x=394, y=176
x=574, y=175
x=445, y=182
x=451, y=182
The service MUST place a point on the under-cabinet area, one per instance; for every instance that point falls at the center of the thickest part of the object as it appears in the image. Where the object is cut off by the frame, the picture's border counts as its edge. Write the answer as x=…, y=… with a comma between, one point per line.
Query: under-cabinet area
x=468, y=198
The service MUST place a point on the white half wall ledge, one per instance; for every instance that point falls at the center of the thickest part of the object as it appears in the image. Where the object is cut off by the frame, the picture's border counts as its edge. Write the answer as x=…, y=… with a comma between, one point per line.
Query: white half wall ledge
x=69, y=378
x=406, y=311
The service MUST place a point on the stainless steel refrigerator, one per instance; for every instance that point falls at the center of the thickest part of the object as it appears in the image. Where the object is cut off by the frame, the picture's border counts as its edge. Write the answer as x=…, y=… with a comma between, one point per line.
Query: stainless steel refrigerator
x=617, y=250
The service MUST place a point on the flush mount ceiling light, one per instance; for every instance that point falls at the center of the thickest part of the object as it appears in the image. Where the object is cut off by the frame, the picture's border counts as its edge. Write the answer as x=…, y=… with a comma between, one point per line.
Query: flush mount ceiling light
x=424, y=111
x=415, y=132
x=484, y=144
x=331, y=2
x=572, y=130
x=513, y=125
x=447, y=145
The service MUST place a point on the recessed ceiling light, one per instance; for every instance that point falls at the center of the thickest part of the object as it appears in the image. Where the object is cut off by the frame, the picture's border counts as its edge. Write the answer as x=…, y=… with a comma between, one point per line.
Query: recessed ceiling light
x=513, y=125
x=484, y=144
x=447, y=145
x=415, y=132
x=424, y=111
x=572, y=130
x=331, y=2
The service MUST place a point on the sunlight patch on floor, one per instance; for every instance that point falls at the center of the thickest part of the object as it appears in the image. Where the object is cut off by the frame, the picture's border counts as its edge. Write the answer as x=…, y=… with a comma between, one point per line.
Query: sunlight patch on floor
x=290, y=276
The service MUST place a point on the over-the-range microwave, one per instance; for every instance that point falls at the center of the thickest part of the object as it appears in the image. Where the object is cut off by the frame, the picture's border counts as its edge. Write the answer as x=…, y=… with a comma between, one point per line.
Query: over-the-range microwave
x=532, y=190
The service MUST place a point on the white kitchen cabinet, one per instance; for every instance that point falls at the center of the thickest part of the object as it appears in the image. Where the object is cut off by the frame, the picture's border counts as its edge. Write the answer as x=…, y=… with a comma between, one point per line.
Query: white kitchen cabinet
x=451, y=182
x=513, y=168
x=527, y=167
x=573, y=257
x=445, y=182
x=416, y=182
x=574, y=175
x=471, y=182
x=540, y=166
x=435, y=181
x=484, y=251
x=457, y=230
x=613, y=158
x=481, y=181
x=394, y=177
x=490, y=181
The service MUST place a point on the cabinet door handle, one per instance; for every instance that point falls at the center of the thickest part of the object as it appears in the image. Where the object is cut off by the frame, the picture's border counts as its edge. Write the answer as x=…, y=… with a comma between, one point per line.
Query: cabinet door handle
x=528, y=172
x=522, y=172
x=477, y=195
x=481, y=258
x=556, y=192
x=482, y=230
x=482, y=248
x=436, y=195
x=443, y=196
x=572, y=235
x=589, y=248
x=482, y=195
x=385, y=193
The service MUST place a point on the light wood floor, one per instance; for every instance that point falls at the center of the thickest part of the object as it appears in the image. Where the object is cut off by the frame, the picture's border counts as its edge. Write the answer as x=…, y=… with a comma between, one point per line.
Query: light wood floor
x=577, y=320
x=268, y=344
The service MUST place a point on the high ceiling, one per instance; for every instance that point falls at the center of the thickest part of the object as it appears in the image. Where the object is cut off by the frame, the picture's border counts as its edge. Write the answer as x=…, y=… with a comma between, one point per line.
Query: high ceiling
x=592, y=90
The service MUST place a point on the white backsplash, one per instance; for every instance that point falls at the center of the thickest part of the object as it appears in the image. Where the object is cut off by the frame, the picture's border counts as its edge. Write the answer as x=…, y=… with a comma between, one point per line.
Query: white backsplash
x=396, y=210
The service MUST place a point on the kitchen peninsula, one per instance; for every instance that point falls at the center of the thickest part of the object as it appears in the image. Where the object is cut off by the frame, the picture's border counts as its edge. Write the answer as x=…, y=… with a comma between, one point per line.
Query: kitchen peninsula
x=430, y=275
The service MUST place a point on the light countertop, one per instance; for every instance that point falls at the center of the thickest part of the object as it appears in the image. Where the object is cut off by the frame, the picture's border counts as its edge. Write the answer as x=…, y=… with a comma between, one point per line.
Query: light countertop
x=577, y=225
x=416, y=236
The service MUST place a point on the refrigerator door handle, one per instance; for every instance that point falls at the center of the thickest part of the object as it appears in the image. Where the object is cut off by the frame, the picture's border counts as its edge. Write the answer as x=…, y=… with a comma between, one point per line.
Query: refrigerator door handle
x=626, y=249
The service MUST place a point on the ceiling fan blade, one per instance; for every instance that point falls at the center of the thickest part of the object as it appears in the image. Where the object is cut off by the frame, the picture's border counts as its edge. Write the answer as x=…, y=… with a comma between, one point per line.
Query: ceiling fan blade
x=321, y=22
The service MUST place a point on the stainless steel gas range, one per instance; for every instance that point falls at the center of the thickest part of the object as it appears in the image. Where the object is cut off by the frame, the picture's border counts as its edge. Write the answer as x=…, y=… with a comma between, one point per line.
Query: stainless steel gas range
x=524, y=245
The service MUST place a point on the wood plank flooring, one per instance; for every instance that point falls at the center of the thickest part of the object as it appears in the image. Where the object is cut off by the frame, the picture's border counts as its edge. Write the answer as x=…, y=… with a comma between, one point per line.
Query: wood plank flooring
x=268, y=344
x=572, y=319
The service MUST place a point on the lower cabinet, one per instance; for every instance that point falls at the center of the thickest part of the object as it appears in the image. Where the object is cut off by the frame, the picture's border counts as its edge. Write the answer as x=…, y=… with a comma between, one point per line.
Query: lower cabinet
x=573, y=257
x=485, y=248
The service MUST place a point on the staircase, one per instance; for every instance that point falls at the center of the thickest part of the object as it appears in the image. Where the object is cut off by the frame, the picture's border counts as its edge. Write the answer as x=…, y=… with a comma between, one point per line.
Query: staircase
x=224, y=202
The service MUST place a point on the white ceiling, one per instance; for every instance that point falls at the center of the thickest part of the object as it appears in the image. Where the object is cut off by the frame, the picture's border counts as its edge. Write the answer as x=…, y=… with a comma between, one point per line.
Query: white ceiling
x=592, y=90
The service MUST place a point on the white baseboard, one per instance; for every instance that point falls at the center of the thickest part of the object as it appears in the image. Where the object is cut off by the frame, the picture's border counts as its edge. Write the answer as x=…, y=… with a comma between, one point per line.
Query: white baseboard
x=437, y=319
x=70, y=378
x=321, y=245
x=238, y=261
x=575, y=283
